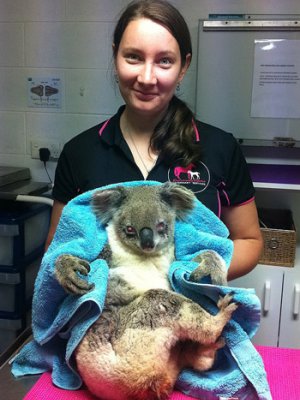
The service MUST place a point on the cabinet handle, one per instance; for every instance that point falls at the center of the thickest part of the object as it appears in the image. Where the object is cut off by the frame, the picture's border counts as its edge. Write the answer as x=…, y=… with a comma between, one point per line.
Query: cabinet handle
x=296, y=299
x=267, y=297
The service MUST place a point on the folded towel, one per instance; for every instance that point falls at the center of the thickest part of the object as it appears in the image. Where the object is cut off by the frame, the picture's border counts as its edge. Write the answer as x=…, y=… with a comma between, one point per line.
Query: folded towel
x=59, y=321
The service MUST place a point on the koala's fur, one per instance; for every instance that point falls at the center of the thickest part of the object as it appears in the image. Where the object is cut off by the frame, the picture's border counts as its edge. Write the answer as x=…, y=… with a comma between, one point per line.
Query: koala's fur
x=146, y=333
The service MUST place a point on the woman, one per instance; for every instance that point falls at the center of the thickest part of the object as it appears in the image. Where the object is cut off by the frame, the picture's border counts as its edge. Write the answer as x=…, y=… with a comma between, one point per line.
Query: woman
x=155, y=137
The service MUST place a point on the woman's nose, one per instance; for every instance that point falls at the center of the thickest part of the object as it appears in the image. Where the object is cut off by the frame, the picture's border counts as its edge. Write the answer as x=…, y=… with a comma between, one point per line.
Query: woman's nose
x=147, y=74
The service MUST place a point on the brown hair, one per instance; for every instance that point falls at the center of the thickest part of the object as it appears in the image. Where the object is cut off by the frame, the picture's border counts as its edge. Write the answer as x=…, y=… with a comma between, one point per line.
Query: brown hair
x=174, y=136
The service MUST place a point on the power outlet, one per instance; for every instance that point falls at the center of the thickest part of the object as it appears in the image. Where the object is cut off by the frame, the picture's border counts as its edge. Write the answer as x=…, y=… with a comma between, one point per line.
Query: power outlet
x=54, y=148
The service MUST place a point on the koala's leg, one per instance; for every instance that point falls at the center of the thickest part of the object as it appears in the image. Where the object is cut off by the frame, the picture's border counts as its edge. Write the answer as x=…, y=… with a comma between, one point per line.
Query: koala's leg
x=67, y=270
x=119, y=359
x=133, y=352
x=187, y=318
x=212, y=265
x=197, y=324
x=198, y=356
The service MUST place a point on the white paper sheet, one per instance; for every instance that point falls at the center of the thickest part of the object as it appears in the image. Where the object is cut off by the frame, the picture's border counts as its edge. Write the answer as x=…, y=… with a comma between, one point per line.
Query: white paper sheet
x=276, y=79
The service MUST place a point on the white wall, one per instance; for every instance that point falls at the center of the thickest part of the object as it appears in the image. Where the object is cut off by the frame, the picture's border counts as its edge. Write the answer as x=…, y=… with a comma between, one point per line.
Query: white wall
x=71, y=39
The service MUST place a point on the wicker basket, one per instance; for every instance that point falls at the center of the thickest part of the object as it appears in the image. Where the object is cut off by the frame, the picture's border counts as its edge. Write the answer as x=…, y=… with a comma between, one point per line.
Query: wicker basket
x=279, y=236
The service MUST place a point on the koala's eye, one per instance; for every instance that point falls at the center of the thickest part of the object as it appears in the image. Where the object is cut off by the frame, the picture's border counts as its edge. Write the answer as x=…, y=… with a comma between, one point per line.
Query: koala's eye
x=130, y=230
x=161, y=227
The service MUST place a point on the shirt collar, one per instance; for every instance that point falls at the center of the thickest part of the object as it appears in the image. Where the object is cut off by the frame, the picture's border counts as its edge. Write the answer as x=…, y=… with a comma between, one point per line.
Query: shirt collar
x=110, y=131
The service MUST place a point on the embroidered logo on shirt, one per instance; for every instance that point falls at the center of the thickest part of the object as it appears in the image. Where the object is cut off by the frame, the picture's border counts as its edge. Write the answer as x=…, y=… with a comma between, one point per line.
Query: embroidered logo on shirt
x=194, y=177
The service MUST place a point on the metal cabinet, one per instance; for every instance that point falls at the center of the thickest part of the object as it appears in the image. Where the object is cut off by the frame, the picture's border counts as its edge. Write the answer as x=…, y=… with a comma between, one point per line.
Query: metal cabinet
x=278, y=289
x=289, y=332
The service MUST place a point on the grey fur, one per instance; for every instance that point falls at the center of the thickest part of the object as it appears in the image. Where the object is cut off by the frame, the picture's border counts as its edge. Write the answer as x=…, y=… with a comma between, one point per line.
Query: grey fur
x=210, y=265
x=130, y=306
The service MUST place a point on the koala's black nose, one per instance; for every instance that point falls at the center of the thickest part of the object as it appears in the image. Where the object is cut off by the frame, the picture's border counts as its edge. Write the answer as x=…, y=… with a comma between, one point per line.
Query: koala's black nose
x=146, y=238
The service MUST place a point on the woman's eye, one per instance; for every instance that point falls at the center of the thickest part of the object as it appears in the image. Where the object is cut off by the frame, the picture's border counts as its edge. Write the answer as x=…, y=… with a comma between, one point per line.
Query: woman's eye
x=166, y=62
x=132, y=58
x=130, y=230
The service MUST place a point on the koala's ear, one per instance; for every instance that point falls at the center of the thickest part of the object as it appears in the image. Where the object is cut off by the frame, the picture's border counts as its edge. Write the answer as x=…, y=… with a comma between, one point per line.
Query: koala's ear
x=178, y=197
x=106, y=202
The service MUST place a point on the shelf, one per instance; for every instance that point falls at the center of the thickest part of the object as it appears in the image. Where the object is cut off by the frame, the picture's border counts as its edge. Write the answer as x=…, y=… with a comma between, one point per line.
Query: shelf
x=276, y=142
x=280, y=186
x=270, y=176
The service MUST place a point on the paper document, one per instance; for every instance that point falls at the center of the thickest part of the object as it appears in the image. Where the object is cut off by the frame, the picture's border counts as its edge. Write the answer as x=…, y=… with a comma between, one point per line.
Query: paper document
x=276, y=79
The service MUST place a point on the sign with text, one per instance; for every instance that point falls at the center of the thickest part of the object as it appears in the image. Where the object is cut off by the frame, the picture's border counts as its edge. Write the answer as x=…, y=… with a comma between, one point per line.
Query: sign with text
x=44, y=92
x=276, y=79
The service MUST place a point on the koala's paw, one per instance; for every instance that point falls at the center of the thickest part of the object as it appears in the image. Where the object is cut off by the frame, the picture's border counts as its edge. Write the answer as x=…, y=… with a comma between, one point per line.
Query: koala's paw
x=226, y=305
x=67, y=270
x=211, y=265
x=198, y=274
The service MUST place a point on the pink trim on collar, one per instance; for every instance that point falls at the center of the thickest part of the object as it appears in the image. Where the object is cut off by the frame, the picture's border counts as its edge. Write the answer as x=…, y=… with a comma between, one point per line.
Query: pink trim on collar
x=193, y=122
x=196, y=131
x=103, y=127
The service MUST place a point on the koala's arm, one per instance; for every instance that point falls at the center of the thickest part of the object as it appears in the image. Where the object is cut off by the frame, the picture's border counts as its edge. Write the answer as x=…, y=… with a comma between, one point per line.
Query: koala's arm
x=211, y=265
x=67, y=270
x=120, y=292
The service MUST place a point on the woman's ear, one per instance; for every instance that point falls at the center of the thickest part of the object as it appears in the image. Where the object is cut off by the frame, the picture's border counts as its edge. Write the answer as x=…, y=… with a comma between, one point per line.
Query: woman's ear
x=185, y=67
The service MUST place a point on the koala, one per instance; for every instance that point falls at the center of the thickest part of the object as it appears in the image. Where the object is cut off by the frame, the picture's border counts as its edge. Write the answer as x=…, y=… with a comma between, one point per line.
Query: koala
x=146, y=333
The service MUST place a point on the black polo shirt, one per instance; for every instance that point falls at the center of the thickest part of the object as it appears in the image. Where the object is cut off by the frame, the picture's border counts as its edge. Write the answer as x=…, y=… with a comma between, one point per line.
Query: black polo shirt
x=100, y=156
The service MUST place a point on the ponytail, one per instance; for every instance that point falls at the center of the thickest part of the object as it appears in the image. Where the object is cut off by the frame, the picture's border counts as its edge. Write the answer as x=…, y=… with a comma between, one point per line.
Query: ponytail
x=174, y=137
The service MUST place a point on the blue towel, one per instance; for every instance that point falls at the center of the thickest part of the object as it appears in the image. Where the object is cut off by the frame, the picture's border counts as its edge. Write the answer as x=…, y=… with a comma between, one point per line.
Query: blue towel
x=59, y=321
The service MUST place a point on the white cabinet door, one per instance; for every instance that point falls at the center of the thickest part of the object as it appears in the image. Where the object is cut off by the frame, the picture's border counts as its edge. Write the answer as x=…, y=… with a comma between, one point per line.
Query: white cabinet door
x=267, y=282
x=289, y=334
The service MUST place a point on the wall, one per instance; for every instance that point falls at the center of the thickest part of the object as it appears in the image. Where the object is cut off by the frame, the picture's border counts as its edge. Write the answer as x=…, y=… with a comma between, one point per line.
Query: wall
x=71, y=40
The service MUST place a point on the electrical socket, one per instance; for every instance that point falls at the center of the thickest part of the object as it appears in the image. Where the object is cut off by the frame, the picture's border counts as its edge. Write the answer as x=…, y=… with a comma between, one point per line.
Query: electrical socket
x=54, y=148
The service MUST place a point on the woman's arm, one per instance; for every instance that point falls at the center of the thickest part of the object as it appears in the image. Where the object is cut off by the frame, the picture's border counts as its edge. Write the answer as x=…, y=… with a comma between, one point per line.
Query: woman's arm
x=243, y=225
x=55, y=216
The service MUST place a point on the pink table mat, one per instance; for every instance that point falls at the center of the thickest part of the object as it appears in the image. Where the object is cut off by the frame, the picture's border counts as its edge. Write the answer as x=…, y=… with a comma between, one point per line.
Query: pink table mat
x=282, y=367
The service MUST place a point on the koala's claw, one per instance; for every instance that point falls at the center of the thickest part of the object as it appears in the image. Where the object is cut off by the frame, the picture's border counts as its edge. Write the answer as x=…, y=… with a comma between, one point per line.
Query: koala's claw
x=211, y=264
x=67, y=268
x=225, y=304
x=198, y=274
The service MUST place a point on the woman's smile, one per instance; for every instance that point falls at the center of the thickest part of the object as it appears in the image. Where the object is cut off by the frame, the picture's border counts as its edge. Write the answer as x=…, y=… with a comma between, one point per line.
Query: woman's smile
x=144, y=95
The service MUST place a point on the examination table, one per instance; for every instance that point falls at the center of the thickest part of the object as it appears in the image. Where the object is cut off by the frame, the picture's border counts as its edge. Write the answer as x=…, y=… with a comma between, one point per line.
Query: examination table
x=282, y=367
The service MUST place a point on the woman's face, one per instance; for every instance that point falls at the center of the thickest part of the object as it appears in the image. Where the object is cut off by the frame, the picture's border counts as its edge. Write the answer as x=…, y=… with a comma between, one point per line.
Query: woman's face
x=149, y=67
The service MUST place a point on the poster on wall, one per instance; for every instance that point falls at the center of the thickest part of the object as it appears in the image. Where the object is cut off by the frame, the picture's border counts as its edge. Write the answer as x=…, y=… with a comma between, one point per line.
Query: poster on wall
x=44, y=92
x=276, y=79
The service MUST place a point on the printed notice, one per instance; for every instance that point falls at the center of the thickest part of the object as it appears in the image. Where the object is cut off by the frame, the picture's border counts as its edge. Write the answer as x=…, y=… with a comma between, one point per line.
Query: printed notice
x=276, y=79
x=44, y=92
